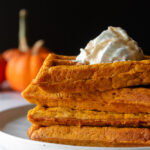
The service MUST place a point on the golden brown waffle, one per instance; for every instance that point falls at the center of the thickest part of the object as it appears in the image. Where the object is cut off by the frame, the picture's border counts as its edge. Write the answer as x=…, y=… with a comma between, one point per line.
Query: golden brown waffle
x=125, y=100
x=57, y=76
x=91, y=136
x=63, y=74
x=67, y=116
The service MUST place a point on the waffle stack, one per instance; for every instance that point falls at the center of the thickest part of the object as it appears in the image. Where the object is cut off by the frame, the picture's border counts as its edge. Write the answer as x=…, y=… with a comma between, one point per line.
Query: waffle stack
x=94, y=105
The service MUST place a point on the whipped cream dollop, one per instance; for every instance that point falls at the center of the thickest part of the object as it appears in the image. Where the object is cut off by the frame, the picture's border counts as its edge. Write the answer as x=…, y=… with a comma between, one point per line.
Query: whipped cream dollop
x=111, y=45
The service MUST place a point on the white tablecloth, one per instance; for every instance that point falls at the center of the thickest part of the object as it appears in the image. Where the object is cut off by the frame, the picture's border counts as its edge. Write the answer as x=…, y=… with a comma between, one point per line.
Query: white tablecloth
x=10, y=99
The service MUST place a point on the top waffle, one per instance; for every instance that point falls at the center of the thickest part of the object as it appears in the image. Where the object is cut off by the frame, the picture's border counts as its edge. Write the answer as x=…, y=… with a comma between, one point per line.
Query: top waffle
x=65, y=75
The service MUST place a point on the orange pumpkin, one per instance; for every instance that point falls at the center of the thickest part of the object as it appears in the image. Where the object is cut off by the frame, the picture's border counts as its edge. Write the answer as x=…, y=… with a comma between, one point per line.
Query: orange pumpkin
x=21, y=70
x=2, y=69
x=23, y=46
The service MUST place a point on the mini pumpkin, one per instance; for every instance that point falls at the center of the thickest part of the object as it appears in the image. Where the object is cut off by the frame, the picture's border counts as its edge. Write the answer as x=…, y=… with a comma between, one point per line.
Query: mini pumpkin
x=22, y=69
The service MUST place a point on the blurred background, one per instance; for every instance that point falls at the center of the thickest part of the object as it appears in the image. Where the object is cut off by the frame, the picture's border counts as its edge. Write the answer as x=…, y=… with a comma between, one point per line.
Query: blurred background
x=68, y=26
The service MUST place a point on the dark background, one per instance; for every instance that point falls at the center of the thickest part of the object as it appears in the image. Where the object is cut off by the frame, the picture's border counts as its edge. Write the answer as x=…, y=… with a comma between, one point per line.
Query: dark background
x=68, y=26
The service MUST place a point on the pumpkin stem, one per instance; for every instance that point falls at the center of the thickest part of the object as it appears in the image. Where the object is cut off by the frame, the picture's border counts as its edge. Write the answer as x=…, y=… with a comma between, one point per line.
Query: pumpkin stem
x=36, y=47
x=23, y=46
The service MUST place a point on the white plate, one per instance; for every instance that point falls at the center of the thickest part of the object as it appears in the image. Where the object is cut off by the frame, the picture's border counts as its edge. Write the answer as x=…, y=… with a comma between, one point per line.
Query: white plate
x=13, y=134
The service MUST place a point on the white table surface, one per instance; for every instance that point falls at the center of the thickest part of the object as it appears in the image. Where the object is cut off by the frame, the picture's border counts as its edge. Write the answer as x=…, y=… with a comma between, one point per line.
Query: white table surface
x=10, y=99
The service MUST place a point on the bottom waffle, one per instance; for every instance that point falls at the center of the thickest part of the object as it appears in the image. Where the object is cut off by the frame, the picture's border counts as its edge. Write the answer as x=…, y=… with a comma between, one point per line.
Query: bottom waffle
x=91, y=136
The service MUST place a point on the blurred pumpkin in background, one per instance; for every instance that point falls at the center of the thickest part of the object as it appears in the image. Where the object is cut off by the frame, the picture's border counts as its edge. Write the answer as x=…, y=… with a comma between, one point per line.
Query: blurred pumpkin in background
x=2, y=69
x=24, y=63
x=21, y=69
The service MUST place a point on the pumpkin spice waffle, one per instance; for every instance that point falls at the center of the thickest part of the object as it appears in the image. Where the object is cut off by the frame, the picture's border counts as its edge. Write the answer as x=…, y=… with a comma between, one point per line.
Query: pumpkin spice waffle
x=56, y=76
x=125, y=100
x=91, y=136
x=67, y=116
